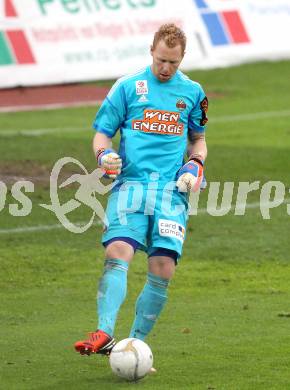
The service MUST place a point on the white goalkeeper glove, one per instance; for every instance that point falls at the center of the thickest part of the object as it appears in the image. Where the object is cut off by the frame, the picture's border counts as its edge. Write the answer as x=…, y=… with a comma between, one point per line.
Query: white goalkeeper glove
x=190, y=177
x=110, y=162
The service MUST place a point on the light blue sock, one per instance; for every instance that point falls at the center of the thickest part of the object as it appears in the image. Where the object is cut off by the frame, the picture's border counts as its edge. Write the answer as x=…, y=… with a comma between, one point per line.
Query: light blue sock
x=149, y=305
x=111, y=293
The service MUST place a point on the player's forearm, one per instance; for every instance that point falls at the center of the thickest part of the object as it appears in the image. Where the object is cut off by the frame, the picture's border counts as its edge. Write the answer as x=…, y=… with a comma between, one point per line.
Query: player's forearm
x=197, y=148
x=101, y=141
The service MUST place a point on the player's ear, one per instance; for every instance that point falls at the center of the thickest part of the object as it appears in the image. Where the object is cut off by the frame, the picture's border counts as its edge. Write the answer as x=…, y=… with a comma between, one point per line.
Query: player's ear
x=151, y=49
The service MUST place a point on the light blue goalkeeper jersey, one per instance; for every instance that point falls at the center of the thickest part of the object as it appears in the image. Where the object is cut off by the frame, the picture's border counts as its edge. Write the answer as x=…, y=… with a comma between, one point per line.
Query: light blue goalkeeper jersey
x=154, y=120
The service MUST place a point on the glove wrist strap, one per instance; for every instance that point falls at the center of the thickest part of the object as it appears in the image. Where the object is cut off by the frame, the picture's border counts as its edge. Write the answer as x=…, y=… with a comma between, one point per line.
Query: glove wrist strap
x=198, y=160
x=99, y=152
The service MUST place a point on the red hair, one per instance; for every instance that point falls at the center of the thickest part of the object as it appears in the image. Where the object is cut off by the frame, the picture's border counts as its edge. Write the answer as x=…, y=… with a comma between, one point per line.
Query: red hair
x=171, y=35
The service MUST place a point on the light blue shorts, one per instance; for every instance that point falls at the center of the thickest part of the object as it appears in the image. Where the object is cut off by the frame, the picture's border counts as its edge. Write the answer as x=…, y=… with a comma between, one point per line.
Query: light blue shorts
x=154, y=218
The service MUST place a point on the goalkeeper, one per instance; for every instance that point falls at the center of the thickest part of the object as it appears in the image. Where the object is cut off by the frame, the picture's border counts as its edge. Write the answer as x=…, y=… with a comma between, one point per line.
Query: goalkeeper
x=161, y=116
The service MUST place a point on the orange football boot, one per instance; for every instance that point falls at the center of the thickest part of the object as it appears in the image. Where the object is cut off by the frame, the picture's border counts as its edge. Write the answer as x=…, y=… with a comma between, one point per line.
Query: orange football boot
x=98, y=342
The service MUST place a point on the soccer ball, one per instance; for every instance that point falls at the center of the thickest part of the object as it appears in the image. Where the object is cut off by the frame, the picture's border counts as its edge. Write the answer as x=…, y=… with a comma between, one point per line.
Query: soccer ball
x=131, y=359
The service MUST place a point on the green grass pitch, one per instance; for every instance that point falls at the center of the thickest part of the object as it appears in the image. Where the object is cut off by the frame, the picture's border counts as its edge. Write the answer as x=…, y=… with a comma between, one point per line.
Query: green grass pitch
x=227, y=322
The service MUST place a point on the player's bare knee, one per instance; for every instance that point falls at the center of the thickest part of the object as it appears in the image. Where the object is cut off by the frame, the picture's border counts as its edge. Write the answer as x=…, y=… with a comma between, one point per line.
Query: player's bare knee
x=162, y=266
x=119, y=250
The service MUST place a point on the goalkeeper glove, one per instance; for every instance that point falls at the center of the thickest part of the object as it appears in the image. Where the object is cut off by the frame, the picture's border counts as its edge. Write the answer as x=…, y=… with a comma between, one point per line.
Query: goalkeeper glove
x=190, y=176
x=110, y=162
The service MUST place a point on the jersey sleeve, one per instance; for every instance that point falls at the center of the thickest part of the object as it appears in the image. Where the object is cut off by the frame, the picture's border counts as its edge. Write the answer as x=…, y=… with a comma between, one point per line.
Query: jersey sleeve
x=197, y=117
x=112, y=111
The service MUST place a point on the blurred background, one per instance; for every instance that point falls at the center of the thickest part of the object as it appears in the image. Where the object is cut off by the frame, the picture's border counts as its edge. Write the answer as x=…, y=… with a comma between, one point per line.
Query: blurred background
x=226, y=325
x=63, y=41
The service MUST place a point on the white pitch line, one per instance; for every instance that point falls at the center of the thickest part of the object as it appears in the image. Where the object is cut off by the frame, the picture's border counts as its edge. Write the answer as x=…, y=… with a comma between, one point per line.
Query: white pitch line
x=29, y=229
x=49, y=106
x=38, y=132
x=218, y=119
x=39, y=228
x=250, y=117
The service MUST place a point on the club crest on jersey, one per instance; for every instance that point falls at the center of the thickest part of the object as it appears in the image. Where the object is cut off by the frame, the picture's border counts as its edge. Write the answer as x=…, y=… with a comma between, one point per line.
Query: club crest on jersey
x=141, y=87
x=181, y=105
